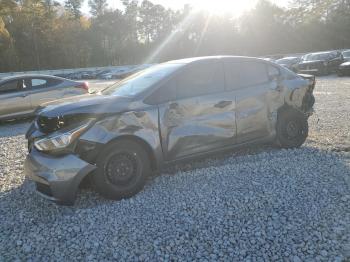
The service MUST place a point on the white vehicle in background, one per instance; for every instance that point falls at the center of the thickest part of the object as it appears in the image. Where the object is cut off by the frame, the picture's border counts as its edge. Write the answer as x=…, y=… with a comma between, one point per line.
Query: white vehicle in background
x=21, y=95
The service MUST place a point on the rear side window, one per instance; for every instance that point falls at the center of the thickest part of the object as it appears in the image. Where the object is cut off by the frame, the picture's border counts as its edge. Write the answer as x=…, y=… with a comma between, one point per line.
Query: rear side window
x=288, y=75
x=53, y=82
x=245, y=74
x=10, y=86
x=232, y=74
x=252, y=73
x=200, y=79
x=273, y=72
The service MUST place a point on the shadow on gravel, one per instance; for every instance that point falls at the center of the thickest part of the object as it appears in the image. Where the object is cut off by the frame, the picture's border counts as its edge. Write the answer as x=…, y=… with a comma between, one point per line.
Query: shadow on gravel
x=14, y=128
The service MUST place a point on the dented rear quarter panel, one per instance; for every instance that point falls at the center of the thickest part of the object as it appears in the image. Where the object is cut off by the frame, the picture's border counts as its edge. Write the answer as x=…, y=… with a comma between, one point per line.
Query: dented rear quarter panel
x=294, y=92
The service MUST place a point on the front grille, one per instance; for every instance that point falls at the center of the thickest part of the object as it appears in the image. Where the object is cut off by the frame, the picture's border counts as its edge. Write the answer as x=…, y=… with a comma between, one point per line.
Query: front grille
x=44, y=189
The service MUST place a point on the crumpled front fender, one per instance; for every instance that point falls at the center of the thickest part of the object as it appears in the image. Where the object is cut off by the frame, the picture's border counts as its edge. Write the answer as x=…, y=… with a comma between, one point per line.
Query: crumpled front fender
x=140, y=125
x=57, y=177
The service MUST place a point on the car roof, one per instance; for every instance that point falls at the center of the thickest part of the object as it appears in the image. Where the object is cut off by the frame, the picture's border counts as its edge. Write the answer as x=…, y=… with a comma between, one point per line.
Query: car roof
x=207, y=58
x=288, y=57
x=320, y=53
x=14, y=77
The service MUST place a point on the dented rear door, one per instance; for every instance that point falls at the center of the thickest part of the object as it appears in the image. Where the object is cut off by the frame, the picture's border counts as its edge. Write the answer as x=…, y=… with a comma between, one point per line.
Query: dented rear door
x=253, y=90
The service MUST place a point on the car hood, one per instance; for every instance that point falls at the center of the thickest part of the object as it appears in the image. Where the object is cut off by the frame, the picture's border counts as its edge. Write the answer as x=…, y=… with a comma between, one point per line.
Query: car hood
x=91, y=104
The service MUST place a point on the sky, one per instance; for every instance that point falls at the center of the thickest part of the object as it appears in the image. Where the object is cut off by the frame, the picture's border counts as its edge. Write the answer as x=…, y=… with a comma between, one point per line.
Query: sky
x=236, y=7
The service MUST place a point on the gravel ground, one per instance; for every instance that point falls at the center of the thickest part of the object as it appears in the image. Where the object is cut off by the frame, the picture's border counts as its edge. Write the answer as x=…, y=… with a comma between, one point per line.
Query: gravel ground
x=253, y=205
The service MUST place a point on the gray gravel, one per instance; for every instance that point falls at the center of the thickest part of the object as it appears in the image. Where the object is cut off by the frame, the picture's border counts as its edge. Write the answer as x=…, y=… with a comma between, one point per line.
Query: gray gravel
x=253, y=205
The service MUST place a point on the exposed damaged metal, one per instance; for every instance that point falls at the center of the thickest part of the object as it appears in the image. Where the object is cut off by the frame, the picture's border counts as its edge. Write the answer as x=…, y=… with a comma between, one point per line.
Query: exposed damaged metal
x=177, y=110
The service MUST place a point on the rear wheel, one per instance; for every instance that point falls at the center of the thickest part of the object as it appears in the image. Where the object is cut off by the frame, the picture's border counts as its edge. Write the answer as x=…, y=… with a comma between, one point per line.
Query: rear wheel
x=122, y=170
x=292, y=129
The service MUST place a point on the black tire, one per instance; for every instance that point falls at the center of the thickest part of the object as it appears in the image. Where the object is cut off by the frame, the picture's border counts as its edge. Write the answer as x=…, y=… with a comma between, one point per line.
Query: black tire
x=292, y=129
x=122, y=170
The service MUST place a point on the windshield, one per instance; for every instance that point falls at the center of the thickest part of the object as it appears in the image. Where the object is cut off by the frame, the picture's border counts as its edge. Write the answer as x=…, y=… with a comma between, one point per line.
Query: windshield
x=346, y=54
x=141, y=81
x=313, y=57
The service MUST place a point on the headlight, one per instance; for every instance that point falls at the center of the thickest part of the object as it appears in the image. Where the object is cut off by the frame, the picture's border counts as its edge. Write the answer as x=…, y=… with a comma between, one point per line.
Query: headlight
x=61, y=141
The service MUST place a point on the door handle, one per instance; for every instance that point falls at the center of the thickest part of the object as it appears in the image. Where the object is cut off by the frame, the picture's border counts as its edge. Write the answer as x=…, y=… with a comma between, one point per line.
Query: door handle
x=223, y=104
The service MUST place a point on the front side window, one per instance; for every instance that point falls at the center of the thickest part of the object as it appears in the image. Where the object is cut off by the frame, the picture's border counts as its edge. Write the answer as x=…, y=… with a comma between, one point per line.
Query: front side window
x=141, y=81
x=200, y=79
x=165, y=93
x=10, y=86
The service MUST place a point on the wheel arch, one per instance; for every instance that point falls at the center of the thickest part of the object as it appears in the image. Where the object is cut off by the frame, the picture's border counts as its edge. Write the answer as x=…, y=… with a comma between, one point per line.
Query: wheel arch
x=146, y=146
x=286, y=108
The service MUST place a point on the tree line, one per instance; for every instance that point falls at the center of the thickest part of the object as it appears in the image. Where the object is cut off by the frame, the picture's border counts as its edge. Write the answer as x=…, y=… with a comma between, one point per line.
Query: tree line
x=44, y=34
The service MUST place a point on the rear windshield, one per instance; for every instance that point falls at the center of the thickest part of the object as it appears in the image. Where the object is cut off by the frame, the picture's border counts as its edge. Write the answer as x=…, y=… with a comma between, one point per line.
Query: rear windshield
x=141, y=81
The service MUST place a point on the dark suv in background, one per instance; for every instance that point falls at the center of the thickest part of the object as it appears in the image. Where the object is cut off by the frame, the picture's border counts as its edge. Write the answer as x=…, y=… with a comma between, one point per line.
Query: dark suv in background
x=289, y=62
x=169, y=112
x=344, y=68
x=321, y=63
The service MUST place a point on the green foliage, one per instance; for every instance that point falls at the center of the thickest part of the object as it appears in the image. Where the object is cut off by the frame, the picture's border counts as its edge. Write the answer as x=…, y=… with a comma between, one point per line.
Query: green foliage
x=42, y=34
x=73, y=7
x=97, y=7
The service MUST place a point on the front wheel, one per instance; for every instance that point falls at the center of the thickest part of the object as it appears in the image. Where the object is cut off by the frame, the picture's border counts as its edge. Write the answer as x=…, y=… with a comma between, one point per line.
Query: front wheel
x=292, y=129
x=122, y=170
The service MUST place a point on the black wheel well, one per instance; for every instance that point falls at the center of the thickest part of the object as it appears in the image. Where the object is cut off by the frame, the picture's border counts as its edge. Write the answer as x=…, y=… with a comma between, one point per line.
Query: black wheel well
x=286, y=108
x=141, y=142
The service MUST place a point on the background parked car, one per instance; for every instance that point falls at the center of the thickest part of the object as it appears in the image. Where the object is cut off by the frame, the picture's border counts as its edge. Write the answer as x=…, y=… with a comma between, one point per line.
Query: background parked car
x=20, y=95
x=344, y=68
x=289, y=62
x=346, y=55
x=321, y=63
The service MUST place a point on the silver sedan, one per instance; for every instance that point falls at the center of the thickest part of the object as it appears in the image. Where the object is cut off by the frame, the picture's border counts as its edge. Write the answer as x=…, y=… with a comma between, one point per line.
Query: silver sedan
x=21, y=95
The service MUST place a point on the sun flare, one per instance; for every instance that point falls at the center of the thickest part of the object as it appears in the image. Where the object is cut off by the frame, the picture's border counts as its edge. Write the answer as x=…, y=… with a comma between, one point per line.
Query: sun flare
x=220, y=7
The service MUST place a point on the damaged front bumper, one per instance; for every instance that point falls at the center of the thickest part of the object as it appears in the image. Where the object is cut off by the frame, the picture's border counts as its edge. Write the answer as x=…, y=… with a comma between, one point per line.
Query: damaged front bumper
x=57, y=178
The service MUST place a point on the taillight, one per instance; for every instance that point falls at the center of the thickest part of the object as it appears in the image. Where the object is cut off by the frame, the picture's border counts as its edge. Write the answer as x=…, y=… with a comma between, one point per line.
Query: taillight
x=84, y=85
